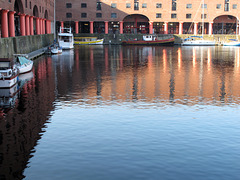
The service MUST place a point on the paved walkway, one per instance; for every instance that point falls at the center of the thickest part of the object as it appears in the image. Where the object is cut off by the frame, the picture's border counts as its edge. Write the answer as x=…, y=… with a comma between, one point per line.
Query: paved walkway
x=37, y=53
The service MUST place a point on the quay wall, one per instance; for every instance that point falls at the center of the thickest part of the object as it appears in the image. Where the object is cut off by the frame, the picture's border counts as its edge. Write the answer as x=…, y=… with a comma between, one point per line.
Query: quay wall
x=23, y=44
x=118, y=38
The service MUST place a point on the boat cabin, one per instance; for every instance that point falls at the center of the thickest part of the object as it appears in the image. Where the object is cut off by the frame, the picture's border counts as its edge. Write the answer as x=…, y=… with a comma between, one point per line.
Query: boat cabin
x=149, y=38
x=6, y=63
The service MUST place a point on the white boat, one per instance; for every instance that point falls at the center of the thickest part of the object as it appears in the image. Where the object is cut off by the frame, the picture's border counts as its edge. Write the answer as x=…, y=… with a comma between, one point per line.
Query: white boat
x=198, y=40
x=232, y=42
x=65, y=38
x=8, y=73
x=56, y=50
x=87, y=40
x=23, y=64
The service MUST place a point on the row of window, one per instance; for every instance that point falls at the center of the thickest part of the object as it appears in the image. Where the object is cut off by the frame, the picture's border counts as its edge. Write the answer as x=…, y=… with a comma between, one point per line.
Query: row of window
x=158, y=5
x=114, y=15
x=41, y=9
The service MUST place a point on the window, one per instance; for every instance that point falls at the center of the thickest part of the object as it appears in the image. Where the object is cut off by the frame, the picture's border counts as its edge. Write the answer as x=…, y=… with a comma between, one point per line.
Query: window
x=158, y=5
x=144, y=5
x=26, y=3
x=83, y=5
x=189, y=6
x=68, y=5
x=174, y=5
x=9, y=0
x=128, y=5
x=98, y=15
x=136, y=5
x=219, y=6
x=30, y=5
x=158, y=15
x=40, y=8
x=173, y=16
x=113, y=5
x=234, y=6
x=204, y=6
x=203, y=16
x=113, y=15
x=99, y=6
x=83, y=15
x=69, y=15
x=226, y=5
x=188, y=16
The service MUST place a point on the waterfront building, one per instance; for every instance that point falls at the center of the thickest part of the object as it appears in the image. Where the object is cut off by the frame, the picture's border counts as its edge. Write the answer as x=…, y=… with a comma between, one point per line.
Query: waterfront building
x=149, y=16
x=26, y=17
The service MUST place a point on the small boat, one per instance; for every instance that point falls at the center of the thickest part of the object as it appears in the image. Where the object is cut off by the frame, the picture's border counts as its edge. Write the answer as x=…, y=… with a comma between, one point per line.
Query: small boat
x=65, y=38
x=150, y=40
x=232, y=42
x=87, y=40
x=8, y=73
x=197, y=41
x=23, y=64
x=56, y=50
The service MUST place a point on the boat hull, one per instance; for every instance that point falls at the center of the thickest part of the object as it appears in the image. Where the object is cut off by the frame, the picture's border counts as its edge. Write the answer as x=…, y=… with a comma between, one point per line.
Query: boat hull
x=199, y=43
x=232, y=44
x=25, y=68
x=8, y=82
x=100, y=41
x=166, y=42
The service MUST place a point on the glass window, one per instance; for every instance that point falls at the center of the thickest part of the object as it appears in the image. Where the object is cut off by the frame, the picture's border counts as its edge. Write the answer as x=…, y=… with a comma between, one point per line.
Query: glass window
x=113, y=15
x=226, y=5
x=158, y=15
x=173, y=16
x=234, y=6
x=128, y=5
x=26, y=3
x=219, y=6
x=158, y=5
x=69, y=15
x=98, y=15
x=83, y=5
x=203, y=16
x=204, y=6
x=99, y=6
x=83, y=15
x=189, y=6
x=136, y=5
x=68, y=5
x=30, y=5
x=188, y=16
x=144, y=5
x=113, y=5
x=174, y=5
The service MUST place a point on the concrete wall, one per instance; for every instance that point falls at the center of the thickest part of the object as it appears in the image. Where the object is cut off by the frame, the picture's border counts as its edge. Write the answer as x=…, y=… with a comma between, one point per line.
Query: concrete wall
x=23, y=44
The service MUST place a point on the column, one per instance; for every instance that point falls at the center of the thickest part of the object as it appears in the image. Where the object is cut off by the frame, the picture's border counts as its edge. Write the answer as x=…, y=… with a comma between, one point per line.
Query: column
x=91, y=27
x=4, y=23
x=121, y=27
x=166, y=28
x=50, y=28
x=106, y=27
x=195, y=28
x=62, y=25
x=210, y=28
x=40, y=25
x=150, y=27
x=44, y=26
x=27, y=25
x=76, y=27
x=180, y=27
x=11, y=23
x=37, y=26
x=31, y=25
x=22, y=24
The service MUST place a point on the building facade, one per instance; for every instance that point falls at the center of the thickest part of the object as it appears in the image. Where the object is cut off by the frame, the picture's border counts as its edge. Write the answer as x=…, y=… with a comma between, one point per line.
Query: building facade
x=25, y=17
x=154, y=16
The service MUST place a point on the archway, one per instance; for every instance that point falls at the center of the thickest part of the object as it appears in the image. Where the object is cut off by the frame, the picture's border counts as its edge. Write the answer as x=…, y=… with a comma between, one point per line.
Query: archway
x=18, y=8
x=136, y=23
x=46, y=14
x=35, y=14
x=225, y=24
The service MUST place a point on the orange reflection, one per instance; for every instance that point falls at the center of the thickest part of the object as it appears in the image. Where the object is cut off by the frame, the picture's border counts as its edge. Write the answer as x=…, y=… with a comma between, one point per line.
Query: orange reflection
x=179, y=59
x=194, y=59
x=209, y=59
x=164, y=60
x=150, y=58
x=91, y=59
x=106, y=58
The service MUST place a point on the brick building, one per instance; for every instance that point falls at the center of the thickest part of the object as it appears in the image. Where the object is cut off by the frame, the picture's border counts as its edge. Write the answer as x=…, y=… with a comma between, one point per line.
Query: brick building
x=149, y=16
x=25, y=17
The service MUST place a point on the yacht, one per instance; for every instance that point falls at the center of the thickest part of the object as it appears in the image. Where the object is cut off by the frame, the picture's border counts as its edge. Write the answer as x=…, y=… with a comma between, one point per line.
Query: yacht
x=65, y=38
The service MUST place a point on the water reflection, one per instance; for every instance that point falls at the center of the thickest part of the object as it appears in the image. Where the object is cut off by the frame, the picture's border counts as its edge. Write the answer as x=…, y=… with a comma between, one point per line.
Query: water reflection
x=95, y=76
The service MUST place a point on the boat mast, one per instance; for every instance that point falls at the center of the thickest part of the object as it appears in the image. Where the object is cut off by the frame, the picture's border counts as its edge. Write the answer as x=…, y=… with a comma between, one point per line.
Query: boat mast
x=54, y=23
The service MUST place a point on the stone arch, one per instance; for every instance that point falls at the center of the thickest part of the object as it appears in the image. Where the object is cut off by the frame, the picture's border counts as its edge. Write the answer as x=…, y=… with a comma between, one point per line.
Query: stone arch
x=18, y=6
x=46, y=14
x=225, y=24
x=35, y=11
x=136, y=23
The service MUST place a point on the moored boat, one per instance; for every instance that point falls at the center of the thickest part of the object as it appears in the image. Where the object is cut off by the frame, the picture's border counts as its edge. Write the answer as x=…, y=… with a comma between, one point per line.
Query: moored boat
x=150, y=40
x=65, y=38
x=197, y=41
x=231, y=42
x=87, y=40
x=8, y=73
x=23, y=64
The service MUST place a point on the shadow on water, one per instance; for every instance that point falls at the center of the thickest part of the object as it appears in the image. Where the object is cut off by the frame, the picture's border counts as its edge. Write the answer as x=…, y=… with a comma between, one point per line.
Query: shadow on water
x=102, y=75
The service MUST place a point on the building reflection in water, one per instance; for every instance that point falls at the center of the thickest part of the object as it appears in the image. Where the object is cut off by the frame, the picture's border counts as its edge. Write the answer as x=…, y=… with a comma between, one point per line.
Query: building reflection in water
x=103, y=75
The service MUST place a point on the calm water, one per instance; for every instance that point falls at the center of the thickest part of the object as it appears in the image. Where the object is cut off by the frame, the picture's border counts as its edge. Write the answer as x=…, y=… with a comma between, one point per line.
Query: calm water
x=116, y=113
